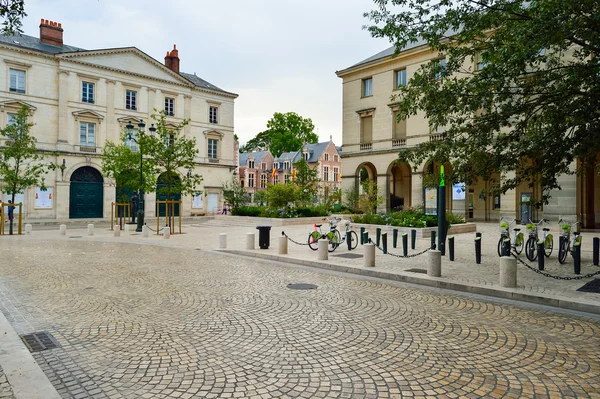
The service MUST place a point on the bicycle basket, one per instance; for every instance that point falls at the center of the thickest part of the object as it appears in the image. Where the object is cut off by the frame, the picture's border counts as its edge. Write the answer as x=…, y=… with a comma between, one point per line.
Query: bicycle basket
x=565, y=227
x=530, y=226
x=503, y=227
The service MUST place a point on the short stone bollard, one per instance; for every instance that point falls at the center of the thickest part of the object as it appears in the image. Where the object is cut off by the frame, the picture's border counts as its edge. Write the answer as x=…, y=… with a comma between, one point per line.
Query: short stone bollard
x=145, y=231
x=63, y=230
x=322, y=253
x=90, y=229
x=167, y=232
x=28, y=228
x=434, y=263
x=222, y=240
x=117, y=232
x=282, y=245
x=250, y=241
x=508, y=272
x=369, y=256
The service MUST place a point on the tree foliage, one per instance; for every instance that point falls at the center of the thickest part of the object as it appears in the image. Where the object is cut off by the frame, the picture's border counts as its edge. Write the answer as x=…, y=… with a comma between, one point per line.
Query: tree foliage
x=12, y=12
x=285, y=133
x=532, y=107
x=21, y=165
x=306, y=181
x=282, y=195
x=235, y=195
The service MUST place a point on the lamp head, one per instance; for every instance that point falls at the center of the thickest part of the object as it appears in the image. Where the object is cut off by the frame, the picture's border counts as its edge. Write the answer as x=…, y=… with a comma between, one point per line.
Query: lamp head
x=152, y=128
x=141, y=124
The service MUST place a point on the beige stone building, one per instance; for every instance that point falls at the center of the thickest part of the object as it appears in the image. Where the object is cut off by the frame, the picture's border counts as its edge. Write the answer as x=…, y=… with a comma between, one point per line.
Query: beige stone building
x=80, y=99
x=372, y=139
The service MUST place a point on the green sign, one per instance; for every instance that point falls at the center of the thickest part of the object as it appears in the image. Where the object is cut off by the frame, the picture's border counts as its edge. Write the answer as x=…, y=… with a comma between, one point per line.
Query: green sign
x=442, y=176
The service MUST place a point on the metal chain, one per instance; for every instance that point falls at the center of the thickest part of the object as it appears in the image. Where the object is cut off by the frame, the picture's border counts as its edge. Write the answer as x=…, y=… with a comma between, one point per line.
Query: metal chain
x=294, y=241
x=399, y=256
x=551, y=275
x=156, y=231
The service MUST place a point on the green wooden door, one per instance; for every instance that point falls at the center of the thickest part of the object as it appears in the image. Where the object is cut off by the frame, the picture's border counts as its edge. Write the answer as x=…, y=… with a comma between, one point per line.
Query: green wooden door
x=86, y=194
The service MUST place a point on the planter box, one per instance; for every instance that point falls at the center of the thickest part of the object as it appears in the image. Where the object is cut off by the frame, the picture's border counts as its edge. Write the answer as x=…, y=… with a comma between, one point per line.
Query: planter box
x=421, y=232
x=258, y=221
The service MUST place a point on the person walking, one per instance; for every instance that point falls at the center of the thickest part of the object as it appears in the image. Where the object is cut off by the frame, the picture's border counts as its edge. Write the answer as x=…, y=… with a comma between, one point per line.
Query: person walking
x=11, y=211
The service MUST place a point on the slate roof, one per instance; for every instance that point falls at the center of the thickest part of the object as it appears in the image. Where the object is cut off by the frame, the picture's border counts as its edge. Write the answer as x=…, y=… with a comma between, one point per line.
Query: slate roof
x=35, y=44
x=314, y=150
x=258, y=157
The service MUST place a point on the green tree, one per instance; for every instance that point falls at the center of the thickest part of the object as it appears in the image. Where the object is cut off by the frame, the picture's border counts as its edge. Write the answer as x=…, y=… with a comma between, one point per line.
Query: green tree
x=370, y=199
x=285, y=133
x=235, y=195
x=281, y=195
x=12, y=12
x=21, y=165
x=260, y=197
x=306, y=181
x=519, y=91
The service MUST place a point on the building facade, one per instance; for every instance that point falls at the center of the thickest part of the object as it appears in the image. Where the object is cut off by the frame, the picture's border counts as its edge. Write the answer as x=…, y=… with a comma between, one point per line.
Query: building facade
x=255, y=171
x=80, y=99
x=372, y=137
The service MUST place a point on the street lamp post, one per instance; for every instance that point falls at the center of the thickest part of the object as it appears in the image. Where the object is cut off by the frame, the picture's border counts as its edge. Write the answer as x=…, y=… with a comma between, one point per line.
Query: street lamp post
x=140, y=199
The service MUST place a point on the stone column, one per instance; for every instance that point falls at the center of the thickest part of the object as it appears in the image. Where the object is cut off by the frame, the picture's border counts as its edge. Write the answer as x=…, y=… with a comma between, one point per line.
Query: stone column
x=322, y=253
x=508, y=272
x=250, y=239
x=417, y=189
x=62, y=142
x=223, y=241
x=111, y=126
x=143, y=102
x=434, y=263
x=369, y=256
x=283, y=245
x=383, y=190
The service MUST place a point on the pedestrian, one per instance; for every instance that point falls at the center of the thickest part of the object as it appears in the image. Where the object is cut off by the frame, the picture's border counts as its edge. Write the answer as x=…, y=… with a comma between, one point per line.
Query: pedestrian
x=224, y=211
x=11, y=210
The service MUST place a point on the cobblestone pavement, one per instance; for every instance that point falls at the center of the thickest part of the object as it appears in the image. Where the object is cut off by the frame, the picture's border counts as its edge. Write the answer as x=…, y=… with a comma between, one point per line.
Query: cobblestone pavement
x=149, y=321
x=5, y=388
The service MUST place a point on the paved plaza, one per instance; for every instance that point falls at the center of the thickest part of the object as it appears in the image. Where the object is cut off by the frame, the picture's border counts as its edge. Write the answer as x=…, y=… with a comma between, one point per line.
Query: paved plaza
x=152, y=318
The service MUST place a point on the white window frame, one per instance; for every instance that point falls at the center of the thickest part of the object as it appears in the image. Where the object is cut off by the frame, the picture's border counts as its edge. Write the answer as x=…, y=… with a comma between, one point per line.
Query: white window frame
x=286, y=165
x=87, y=95
x=251, y=180
x=11, y=118
x=131, y=143
x=263, y=181
x=16, y=88
x=276, y=179
x=170, y=106
x=213, y=153
x=367, y=87
x=336, y=172
x=213, y=114
x=326, y=156
x=263, y=166
x=336, y=158
x=286, y=178
x=400, y=78
x=325, y=173
x=442, y=62
x=87, y=126
x=250, y=164
x=131, y=99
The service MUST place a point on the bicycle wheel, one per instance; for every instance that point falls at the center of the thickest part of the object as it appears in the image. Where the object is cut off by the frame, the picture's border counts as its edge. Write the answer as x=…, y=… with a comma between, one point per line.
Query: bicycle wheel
x=334, y=240
x=313, y=240
x=500, y=243
x=548, y=245
x=530, y=249
x=353, y=239
x=563, y=250
x=519, y=242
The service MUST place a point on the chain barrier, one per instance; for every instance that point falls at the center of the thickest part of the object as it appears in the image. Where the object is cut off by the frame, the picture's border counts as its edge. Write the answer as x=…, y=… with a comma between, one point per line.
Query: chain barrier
x=399, y=256
x=294, y=241
x=551, y=275
x=156, y=231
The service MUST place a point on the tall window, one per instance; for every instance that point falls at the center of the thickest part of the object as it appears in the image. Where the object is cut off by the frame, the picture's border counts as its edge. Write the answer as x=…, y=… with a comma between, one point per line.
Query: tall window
x=87, y=92
x=326, y=173
x=306, y=156
x=336, y=158
x=440, y=68
x=326, y=157
x=367, y=87
x=286, y=165
x=17, y=81
x=400, y=78
x=399, y=127
x=87, y=134
x=263, y=166
x=170, y=106
x=212, y=148
x=250, y=164
x=336, y=174
x=251, y=180
x=12, y=119
x=263, y=181
x=286, y=178
x=130, y=100
x=131, y=142
x=213, y=114
x=366, y=129
x=276, y=179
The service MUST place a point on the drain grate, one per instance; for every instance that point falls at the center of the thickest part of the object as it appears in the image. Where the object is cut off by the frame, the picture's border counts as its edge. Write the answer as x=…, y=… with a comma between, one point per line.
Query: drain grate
x=591, y=286
x=74, y=236
x=422, y=271
x=349, y=256
x=302, y=286
x=39, y=341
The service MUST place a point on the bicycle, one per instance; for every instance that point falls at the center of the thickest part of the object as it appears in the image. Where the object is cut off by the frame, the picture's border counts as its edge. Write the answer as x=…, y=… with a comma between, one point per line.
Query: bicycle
x=353, y=235
x=532, y=241
x=332, y=235
x=567, y=245
x=516, y=242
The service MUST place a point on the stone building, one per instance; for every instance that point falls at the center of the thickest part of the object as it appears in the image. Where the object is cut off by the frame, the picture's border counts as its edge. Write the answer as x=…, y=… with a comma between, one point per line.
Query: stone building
x=372, y=138
x=255, y=170
x=80, y=99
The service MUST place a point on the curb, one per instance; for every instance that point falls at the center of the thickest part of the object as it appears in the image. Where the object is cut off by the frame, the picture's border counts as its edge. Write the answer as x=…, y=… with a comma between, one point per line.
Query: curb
x=436, y=282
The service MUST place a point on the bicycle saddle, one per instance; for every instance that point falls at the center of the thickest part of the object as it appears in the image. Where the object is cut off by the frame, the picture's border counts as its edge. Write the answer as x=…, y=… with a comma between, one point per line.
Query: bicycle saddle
x=318, y=225
x=576, y=233
x=516, y=229
x=546, y=229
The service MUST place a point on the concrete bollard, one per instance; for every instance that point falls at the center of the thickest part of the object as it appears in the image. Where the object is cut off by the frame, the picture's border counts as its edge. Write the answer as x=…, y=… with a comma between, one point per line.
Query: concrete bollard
x=250, y=241
x=167, y=232
x=222, y=240
x=28, y=228
x=322, y=253
x=369, y=255
x=283, y=245
x=508, y=272
x=434, y=263
x=90, y=229
x=63, y=229
x=145, y=231
x=117, y=231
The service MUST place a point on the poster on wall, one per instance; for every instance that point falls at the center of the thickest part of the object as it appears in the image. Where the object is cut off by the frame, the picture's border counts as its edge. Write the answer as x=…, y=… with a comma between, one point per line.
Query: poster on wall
x=458, y=191
x=19, y=198
x=43, y=199
x=197, y=201
x=431, y=201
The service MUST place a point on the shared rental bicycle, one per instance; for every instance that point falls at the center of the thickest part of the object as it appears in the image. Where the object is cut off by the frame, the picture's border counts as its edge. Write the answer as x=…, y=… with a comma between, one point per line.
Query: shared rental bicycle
x=353, y=235
x=333, y=235
x=517, y=240
x=570, y=237
x=532, y=241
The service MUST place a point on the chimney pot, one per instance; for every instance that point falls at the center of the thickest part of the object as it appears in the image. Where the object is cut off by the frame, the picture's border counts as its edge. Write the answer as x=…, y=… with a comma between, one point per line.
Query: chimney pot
x=172, y=60
x=51, y=32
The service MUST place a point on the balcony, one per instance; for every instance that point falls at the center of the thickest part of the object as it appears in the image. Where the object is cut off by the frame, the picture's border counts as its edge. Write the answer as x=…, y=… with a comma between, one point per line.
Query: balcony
x=213, y=160
x=399, y=143
x=437, y=136
x=366, y=146
x=88, y=149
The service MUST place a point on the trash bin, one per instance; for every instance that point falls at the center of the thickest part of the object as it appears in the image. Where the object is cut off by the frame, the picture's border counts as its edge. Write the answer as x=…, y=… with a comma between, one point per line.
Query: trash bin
x=264, y=236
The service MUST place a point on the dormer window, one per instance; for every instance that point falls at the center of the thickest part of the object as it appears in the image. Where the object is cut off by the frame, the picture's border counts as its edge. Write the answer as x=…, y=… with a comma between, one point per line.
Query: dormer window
x=326, y=157
x=250, y=164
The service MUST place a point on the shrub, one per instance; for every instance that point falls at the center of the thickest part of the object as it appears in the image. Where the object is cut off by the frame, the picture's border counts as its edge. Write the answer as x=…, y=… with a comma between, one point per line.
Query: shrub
x=408, y=218
x=247, y=211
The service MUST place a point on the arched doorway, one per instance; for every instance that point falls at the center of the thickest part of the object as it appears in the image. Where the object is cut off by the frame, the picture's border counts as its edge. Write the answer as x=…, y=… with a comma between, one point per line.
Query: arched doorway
x=366, y=183
x=86, y=194
x=400, y=186
x=168, y=187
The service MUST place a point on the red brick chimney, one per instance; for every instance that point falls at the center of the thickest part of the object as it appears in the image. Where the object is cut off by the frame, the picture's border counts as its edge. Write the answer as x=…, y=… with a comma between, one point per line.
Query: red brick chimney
x=51, y=33
x=172, y=60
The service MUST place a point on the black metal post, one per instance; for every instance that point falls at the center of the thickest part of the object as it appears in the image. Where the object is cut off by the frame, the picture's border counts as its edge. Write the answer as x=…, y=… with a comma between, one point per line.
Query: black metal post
x=349, y=240
x=432, y=239
x=451, y=247
x=577, y=258
x=506, y=246
x=140, y=213
x=413, y=238
x=384, y=242
x=362, y=234
x=442, y=214
x=477, y=234
x=596, y=250
x=405, y=244
x=395, y=238
x=540, y=251
x=365, y=237
x=377, y=236
x=478, y=250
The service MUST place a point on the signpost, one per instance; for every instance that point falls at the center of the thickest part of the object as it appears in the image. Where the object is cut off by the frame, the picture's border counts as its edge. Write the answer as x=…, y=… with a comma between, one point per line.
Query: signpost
x=441, y=212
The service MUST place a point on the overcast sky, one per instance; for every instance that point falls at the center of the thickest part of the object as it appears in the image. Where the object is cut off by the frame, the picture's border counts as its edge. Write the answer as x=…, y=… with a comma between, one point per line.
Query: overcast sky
x=278, y=55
